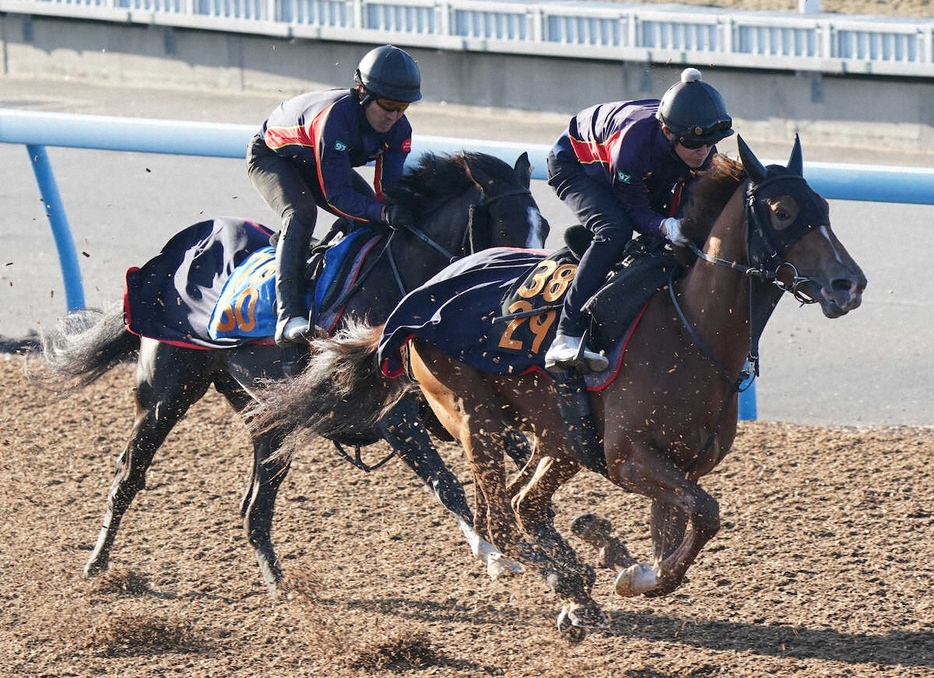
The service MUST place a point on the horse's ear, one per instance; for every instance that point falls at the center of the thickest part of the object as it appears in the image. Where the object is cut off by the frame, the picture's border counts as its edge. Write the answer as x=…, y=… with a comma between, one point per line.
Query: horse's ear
x=796, y=161
x=755, y=170
x=524, y=169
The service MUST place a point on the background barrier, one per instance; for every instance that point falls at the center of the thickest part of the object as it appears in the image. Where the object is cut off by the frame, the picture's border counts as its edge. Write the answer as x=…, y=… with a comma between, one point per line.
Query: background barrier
x=37, y=130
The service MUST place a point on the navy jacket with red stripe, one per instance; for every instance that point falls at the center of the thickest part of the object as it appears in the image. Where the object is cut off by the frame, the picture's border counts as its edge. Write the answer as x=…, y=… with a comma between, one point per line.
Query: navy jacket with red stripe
x=327, y=134
x=621, y=144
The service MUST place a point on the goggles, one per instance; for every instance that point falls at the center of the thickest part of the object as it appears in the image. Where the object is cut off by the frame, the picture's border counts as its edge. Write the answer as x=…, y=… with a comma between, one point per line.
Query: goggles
x=391, y=106
x=693, y=145
x=719, y=129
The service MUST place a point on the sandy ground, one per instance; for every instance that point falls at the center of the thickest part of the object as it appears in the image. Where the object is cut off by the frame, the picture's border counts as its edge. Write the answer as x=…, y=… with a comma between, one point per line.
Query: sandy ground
x=824, y=565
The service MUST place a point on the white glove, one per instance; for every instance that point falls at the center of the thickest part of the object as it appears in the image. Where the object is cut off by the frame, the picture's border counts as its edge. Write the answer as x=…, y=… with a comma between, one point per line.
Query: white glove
x=671, y=227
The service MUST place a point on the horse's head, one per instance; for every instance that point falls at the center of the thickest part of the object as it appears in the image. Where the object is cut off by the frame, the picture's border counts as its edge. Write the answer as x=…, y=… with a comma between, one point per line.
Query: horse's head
x=789, y=233
x=506, y=214
x=469, y=201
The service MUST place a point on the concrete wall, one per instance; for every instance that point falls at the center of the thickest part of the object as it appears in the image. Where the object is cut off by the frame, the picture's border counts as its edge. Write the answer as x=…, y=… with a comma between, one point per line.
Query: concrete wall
x=862, y=111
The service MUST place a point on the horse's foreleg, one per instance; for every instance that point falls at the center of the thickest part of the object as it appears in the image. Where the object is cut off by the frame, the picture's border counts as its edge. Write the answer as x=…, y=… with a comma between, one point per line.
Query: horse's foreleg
x=668, y=527
x=675, y=498
x=405, y=433
x=403, y=430
x=702, y=525
x=162, y=398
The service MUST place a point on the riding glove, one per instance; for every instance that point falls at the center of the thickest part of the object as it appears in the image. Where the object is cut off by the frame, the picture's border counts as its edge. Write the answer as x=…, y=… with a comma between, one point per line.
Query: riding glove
x=398, y=216
x=671, y=227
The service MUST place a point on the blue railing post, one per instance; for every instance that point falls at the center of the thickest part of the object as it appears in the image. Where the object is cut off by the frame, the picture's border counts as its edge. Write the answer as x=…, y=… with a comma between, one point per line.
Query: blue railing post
x=55, y=211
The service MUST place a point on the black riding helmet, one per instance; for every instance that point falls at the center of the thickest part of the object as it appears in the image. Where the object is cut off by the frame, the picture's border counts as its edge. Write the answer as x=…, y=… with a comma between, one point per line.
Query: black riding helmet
x=694, y=111
x=390, y=73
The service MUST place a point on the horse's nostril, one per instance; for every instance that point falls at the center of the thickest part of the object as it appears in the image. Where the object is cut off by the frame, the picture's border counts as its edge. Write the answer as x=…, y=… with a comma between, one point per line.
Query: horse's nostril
x=842, y=285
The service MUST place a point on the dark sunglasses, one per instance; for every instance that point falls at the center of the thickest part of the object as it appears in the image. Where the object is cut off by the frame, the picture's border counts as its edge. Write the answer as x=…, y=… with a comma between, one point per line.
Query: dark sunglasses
x=391, y=106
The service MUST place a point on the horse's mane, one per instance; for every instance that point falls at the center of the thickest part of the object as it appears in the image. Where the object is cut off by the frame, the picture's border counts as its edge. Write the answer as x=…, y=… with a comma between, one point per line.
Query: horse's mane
x=443, y=176
x=709, y=194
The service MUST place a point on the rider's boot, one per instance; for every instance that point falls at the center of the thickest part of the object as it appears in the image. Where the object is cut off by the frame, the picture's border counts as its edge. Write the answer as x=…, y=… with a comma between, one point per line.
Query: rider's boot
x=572, y=352
x=291, y=254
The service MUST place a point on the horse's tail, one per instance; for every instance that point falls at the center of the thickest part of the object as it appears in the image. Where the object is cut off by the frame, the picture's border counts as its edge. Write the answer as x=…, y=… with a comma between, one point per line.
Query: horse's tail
x=341, y=394
x=87, y=343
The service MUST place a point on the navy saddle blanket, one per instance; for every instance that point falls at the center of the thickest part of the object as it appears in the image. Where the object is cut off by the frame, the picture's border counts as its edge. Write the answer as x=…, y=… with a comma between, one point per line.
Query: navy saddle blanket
x=496, y=310
x=172, y=296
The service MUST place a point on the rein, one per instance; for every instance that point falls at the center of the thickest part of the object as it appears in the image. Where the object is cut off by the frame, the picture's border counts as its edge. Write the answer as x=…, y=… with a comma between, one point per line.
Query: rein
x=762, y=253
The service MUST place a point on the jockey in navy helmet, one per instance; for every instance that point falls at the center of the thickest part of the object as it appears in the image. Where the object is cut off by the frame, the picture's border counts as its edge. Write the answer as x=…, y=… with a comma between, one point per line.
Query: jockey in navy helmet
x=620, y=167
x=304, y=158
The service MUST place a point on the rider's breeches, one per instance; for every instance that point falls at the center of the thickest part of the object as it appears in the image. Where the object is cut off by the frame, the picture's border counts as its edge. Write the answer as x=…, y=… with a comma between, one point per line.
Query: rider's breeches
x=292, y=192
x=282, y=186
x=598, y=210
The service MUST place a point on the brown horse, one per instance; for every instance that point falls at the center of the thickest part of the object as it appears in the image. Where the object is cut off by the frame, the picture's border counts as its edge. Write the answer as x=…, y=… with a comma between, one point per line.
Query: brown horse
x=670, y=415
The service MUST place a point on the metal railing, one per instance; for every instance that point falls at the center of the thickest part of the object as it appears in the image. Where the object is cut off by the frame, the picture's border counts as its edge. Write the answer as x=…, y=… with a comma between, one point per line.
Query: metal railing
x=822, y=43
x=37, y=130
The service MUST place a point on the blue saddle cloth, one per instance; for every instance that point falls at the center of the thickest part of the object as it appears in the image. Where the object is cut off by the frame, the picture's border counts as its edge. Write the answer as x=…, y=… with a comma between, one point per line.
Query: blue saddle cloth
x=213, y=285
x=246, y=308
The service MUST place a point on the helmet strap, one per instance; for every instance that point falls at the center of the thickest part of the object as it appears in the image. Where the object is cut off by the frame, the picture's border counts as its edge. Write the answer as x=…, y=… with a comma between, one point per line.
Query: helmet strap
x=364, y=96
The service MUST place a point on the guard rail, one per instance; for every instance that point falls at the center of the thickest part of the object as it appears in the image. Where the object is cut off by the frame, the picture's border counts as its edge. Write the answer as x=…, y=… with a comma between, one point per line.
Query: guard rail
x=37, y=130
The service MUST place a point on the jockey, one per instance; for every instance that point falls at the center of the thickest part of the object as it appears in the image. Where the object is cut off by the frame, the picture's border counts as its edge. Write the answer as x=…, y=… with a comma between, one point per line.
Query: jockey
x=304, y=157
x=620, y=167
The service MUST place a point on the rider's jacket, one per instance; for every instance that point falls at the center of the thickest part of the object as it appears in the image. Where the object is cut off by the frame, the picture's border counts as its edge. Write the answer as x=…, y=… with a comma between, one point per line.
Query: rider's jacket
x=621, y=144
x=327, y=134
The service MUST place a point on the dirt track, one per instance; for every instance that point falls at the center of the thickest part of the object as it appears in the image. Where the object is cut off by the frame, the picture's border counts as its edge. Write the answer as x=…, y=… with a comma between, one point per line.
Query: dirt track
x=824, y=565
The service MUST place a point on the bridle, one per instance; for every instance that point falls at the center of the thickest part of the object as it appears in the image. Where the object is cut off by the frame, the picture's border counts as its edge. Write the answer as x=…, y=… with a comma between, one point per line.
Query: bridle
x=765, y=252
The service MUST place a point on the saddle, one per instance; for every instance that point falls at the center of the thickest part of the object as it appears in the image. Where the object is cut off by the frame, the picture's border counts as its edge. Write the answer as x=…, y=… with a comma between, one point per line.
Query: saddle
x=647, y=266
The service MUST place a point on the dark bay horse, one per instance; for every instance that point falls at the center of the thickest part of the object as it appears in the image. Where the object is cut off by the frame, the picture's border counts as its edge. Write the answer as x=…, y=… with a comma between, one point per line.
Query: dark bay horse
x=670, y=415
x=462, y=203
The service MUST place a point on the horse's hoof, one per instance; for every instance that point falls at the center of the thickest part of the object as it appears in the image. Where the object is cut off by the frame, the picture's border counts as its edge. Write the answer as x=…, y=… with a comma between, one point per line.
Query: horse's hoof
x=94, y=568
x=568, y=629
x=636, y=580
x=498, y=566
x=592, y=528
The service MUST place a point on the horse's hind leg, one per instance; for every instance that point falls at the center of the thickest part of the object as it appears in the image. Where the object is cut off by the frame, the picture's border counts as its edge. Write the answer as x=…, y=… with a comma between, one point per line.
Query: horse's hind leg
x=258, y=507
x=403, y=430
x=168, y=381
x=570, y=578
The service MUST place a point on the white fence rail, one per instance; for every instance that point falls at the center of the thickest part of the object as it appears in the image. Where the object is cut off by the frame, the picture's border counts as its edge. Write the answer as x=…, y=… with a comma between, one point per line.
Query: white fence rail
x=822, y=43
